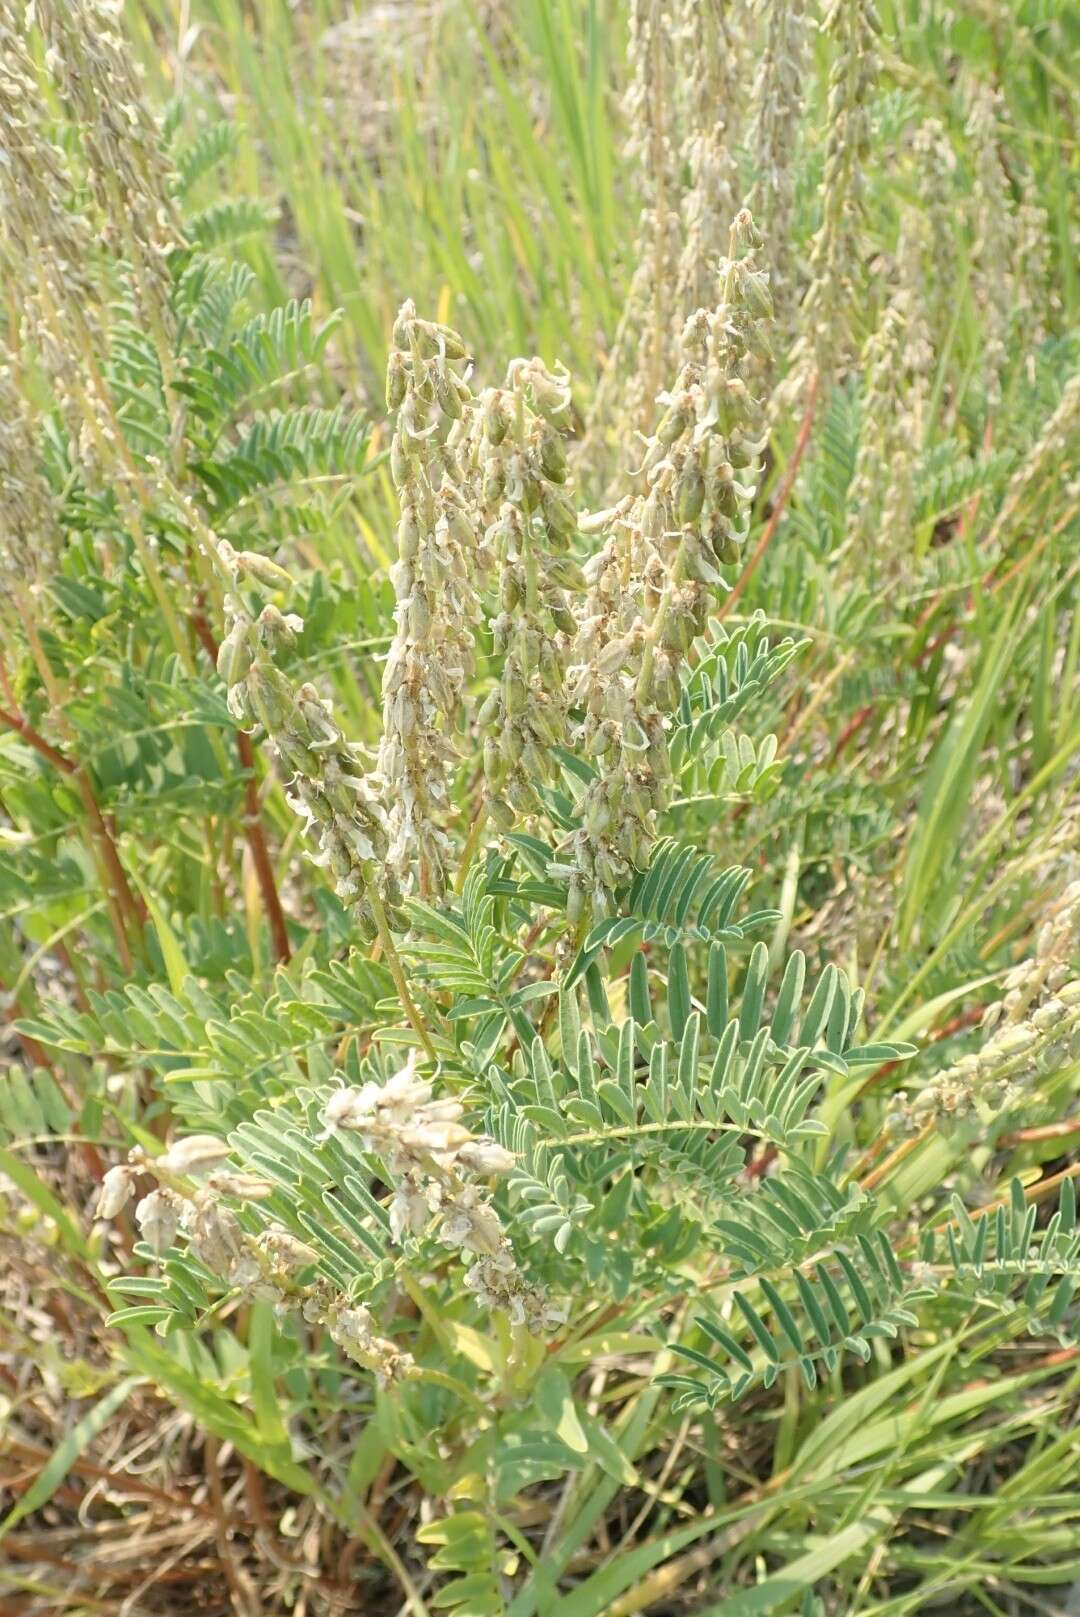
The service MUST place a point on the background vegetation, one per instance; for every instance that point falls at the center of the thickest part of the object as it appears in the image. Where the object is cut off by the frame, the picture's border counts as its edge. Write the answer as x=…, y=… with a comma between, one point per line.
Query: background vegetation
x=805, y=1323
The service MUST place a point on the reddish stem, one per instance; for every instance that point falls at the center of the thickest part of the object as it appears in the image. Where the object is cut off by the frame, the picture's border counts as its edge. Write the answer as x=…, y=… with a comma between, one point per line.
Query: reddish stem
x=22, y=727
x=124, y=899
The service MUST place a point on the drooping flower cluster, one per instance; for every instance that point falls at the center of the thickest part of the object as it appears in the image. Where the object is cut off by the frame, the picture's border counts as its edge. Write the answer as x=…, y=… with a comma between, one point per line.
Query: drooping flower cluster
x=652, y=581
x=329, y=776
x=1035, y=1030
x=434, y=1162
x=434, y=581
x=193, y=1183
x=521, y=472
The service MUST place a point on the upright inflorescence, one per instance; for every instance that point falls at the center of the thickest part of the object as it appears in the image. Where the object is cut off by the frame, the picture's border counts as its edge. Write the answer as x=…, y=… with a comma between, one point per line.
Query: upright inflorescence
x=1033, y=286
x=897, y=368
x=641, y=349
x=434, y=1163
x=932, y=226
x=125, y=162
x=194, y=1185
x=992, y=252
x=329, y=777
x=1055, y=451
x=777, y=101
x=1034, y=1029
x=523, y=478
x=828, y=313
x=435, y=582
x=653, y=580
x=47, y=245
x=650, y=105
x=29, y=528
x=709, y=64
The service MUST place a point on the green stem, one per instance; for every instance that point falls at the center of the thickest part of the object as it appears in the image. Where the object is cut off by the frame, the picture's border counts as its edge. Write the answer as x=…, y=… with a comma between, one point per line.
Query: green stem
x=393, y=960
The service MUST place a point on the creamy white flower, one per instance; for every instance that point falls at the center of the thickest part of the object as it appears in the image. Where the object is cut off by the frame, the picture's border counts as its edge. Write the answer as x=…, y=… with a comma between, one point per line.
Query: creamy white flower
x=117, y=1189
x=194, y=1156
x=157, y=1218
x=486, y=1157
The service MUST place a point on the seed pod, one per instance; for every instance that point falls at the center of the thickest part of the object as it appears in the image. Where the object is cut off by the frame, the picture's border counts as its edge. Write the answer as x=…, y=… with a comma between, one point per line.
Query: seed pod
x=450, y=343
x=559, y=512
x=502, y=814
x=509, y=590
x=395, y=379
x=758, y=298
x=515, y=693
x=447, y=395
x=725, y=545
x=234, y=655
x=266, y=571
x=490, y=709
x=496, y=418
x=673, y=423
x=270, y=697
x=725, y=498
x=553, y=458
x=495, y=768
x=402, y=464
x=408, y=534
x=691, y=495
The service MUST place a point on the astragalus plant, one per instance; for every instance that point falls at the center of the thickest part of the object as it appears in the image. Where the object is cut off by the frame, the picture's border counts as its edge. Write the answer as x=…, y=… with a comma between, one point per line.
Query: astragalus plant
x=539, y=924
